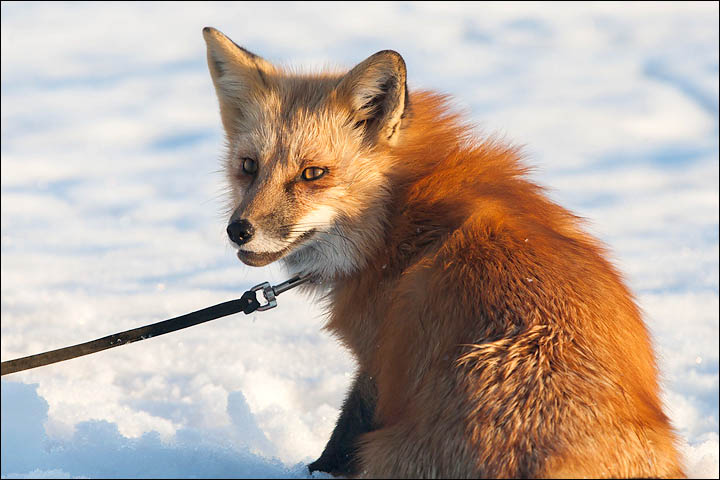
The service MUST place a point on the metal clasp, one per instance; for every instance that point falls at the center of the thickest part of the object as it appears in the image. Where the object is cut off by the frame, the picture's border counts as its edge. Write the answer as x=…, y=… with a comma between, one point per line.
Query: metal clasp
x=268, y=293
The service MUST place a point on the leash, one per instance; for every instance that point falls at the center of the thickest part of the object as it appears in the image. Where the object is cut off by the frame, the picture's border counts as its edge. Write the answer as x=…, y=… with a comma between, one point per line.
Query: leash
x=247, y=304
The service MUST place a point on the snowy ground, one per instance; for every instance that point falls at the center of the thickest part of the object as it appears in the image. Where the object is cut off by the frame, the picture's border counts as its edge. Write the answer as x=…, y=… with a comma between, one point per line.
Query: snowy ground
x=111, y=212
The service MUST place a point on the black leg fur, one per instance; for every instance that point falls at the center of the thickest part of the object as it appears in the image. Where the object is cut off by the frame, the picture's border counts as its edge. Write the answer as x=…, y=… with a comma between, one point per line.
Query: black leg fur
x=356, y=418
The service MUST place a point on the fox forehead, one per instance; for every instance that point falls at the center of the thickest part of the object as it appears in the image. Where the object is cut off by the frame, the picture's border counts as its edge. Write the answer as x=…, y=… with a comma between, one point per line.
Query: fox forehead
x=295, y=120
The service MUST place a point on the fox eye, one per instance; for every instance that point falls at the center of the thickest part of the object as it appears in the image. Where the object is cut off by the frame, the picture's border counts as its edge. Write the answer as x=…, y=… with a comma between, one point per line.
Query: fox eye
x=249, y=165
x=313, y=173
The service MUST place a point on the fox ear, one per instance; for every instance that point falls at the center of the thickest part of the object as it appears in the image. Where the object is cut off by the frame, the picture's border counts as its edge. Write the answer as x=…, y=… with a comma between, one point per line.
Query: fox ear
x=376, y=91
x=236, y=74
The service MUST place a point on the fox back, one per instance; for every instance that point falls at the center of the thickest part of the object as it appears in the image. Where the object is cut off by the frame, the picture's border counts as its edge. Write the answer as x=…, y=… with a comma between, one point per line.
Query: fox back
x=493, y=337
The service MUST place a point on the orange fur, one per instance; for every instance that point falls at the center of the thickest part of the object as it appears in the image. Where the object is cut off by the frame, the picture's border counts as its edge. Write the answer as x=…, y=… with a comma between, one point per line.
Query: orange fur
x=502, y=341
x=493, y=336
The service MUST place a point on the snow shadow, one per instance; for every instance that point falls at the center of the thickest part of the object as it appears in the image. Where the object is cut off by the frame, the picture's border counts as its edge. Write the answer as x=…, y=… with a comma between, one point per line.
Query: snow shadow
x=98, y=450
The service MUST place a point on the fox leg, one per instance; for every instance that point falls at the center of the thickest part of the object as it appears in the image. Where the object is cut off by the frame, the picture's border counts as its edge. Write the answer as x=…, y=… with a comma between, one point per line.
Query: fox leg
x=356, y=418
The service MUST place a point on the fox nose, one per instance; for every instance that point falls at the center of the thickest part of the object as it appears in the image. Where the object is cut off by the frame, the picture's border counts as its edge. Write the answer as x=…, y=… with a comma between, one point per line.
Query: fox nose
x=240, y=231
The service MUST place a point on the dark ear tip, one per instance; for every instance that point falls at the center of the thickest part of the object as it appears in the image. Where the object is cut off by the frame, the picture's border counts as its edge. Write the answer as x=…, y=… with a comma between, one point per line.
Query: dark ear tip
x=391, y=53
x=210, y=31
x=393, y=56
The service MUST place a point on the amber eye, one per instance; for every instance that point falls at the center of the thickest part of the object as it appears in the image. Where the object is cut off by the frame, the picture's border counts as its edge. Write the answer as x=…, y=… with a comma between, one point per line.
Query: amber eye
x=313, y=173
x=249, y=165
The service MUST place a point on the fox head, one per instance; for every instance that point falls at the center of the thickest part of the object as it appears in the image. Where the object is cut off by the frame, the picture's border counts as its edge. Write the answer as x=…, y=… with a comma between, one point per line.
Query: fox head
x=308, y=157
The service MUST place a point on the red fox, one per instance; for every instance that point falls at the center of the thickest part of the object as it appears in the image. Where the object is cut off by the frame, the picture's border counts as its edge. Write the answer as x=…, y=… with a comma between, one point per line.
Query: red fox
x=493, y=337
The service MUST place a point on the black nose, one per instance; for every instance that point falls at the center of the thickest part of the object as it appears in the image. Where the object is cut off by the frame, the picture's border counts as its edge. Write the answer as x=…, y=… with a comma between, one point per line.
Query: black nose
x=240, y=231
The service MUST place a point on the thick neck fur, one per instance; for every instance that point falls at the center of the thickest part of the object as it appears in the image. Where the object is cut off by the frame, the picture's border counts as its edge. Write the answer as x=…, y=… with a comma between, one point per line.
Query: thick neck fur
x=441, y=181
x=426, y=186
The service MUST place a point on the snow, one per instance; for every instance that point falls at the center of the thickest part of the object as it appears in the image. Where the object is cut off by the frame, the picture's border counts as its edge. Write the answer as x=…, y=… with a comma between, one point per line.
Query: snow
x=112, y=212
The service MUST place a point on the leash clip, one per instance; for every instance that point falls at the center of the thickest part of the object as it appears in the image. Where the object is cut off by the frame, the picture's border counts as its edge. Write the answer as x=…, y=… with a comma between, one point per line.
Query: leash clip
x=269, y=294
